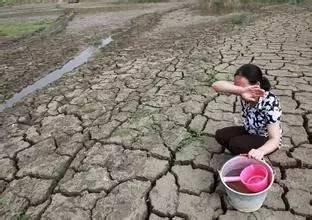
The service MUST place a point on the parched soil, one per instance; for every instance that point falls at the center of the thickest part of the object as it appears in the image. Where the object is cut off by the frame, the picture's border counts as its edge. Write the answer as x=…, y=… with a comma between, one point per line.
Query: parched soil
x=24, y=61
x=131, y=134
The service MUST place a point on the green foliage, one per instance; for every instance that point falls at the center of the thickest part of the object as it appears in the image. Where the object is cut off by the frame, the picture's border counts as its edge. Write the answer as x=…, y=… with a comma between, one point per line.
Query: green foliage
x=274, y=1
x=123, y=132
x=17, y=29
x=141, y=1
x=21, y=217
x=3, y=201
x=195, y=139
x=7, y=2
x=240, y=19
x=212, y=78
x=16, y=215
x=227, y=6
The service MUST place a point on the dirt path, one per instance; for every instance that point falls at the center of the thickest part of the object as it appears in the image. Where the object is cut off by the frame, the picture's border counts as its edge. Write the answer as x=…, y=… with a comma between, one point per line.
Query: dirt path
x=130, y=135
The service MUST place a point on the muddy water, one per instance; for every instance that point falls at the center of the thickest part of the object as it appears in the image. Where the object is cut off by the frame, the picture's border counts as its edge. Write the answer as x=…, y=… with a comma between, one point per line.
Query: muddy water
x=237, y=185
x=55, y=75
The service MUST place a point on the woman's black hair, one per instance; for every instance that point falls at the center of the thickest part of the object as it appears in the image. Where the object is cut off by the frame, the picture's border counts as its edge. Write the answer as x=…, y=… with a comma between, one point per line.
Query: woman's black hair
x=254, y=75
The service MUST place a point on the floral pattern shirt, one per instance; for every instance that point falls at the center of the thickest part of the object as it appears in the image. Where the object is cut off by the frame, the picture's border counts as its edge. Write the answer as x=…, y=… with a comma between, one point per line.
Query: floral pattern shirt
x=256, y=117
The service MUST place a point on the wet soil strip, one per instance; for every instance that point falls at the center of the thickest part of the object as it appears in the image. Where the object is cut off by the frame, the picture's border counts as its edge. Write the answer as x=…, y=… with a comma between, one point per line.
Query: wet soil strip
x=55, y=75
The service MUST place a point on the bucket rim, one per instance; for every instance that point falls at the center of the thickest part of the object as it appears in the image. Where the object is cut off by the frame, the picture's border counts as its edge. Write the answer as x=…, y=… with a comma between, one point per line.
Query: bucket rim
x=247, y=194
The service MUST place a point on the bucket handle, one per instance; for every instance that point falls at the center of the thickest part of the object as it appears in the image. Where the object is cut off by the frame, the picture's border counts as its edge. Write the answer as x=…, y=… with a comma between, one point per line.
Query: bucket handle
x=231, y=179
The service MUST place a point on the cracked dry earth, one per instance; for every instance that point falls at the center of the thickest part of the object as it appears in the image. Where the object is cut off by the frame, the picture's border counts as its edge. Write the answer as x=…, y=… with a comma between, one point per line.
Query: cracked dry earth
x=26, y=60
x=130, y=135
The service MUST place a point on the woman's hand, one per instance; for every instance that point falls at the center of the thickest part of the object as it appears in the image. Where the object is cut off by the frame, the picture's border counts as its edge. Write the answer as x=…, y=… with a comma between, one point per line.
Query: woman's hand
x=270, y=145
x=252, y=93
x=256, y=154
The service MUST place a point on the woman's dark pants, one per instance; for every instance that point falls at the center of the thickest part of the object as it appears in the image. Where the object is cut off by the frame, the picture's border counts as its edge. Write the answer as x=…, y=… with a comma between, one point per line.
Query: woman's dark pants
x=237, y=140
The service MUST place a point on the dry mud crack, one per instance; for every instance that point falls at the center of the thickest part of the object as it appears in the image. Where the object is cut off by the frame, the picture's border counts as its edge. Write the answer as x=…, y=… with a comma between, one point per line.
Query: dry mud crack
x=130, y=135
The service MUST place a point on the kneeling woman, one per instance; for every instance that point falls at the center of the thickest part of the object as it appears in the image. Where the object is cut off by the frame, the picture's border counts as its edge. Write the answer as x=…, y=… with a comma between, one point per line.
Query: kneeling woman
x=261, y=112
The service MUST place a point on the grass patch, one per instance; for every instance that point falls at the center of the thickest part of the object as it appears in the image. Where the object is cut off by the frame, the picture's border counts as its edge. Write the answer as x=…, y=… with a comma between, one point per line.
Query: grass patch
x=219, y=7
x=17, y=29
x=240, y=19
x=16, y=215
x=274, y=1
x=21, y=217
x=7, y=2
x=197, y=140
x=211, y=77
x=141, y=1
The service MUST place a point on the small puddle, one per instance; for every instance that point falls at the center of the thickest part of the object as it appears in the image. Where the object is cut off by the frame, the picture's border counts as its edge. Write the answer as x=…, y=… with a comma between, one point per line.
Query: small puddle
x=56, y=74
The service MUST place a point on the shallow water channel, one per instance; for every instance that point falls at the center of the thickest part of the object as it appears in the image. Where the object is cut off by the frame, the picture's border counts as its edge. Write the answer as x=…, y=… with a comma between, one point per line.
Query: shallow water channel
x=56, y=74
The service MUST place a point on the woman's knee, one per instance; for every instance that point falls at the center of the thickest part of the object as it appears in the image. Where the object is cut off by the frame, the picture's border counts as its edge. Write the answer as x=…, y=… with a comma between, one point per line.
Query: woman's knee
x=237, y=145
x=218, y=135
x=221, y=137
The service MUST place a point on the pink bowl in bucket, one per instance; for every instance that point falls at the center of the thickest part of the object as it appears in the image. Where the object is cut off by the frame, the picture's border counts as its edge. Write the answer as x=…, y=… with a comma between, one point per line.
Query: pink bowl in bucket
x=255, y=177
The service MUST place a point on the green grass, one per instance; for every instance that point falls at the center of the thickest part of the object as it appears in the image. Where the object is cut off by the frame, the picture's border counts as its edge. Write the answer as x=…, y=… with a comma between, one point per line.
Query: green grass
x=211, y=77
x=240, y=19
x=21, y=217
x=273, y=1
x=17, y=29
x=7, y=2
x=227, y=6
x=141, y=1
